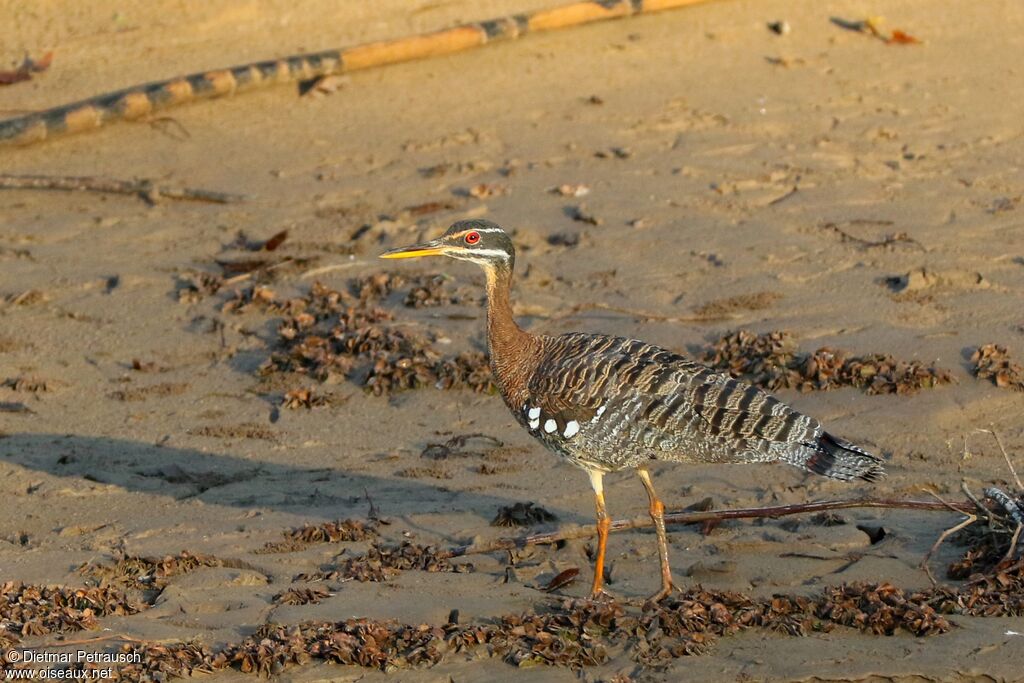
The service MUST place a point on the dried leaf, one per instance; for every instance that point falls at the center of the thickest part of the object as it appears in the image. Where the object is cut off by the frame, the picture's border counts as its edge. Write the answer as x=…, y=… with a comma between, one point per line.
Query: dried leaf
x=702, y=505
x=323, y=85
x=562, y=579
x=12, y=77
x=570, y=190
x=40, y=65
x=898, y=37
x=275, y=241
x=483, y=191
x=27, y=68
x=304, y=398
x=427, y=207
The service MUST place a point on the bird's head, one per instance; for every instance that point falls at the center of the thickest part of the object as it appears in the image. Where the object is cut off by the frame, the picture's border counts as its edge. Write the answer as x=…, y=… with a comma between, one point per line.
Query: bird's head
x=479, y=241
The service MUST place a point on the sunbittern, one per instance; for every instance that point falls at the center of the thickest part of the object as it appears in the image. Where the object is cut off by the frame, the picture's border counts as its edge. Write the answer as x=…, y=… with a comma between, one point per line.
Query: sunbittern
x=608, y=403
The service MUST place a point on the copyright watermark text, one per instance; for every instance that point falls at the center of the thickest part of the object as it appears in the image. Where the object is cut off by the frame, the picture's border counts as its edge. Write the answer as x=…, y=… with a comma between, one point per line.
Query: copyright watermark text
x=101, y=664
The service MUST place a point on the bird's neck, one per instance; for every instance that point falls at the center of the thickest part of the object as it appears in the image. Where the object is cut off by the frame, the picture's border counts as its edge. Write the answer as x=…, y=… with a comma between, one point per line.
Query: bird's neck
x=513, y=350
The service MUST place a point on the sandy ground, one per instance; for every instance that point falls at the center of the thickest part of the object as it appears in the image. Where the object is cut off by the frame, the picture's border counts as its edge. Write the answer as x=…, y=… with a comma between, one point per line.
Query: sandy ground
x=924, y=140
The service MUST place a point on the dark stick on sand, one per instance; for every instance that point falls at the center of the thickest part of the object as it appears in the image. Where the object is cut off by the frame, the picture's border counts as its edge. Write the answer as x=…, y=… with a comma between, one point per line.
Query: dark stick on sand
x=143, y=188
x=679, y=518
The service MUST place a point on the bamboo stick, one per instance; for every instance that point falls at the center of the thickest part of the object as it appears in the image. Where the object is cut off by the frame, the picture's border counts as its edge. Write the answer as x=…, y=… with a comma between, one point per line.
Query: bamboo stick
x=143, y=100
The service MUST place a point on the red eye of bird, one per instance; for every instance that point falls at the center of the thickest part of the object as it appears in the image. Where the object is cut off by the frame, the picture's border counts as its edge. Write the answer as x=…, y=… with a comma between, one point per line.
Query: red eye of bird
x=472, y=237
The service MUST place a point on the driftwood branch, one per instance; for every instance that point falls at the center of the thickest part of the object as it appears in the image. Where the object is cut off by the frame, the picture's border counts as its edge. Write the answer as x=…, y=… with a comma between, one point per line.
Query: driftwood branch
x=142, y=188
x=141, y=101
x=679, y=518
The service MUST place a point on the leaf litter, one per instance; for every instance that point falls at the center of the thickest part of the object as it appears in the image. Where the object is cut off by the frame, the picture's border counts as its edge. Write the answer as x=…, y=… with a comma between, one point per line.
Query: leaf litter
x=340, y=531
x=32, y=610
x=576, y=634
x=331, y=333
x=569, y=633
x=145, y=573
x=994, y=362
x=522, y=514
x=772, y=361
x=382, y=562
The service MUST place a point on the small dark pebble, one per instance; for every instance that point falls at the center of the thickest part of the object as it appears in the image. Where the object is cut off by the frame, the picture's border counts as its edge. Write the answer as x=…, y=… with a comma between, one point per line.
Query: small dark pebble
x=564, y=239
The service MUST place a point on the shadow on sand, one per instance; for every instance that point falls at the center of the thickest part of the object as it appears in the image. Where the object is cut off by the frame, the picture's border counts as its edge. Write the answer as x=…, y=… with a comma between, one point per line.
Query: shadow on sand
x=229, y=480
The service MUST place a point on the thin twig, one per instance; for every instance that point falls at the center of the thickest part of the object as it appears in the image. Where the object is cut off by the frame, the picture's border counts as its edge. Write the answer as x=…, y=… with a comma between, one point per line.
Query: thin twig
x=645, y=316
x=779, y=200
x=373, y=514
x=145, y=189
x=977, y=504
x=242, y=277
x=680, y=518
x=96, y=639
x=942, y=500
x=314, y=272
x=1011, y=551
x=969, y=520
x=1006, y=457
x=887, y=241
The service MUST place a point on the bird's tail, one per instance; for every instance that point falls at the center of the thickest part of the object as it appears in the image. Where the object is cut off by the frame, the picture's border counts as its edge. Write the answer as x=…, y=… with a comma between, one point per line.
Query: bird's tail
x=838, y=459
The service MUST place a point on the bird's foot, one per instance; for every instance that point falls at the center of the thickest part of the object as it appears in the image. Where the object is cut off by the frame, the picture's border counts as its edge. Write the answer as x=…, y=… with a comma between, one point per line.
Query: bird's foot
x=665, y=591
x=599, y=596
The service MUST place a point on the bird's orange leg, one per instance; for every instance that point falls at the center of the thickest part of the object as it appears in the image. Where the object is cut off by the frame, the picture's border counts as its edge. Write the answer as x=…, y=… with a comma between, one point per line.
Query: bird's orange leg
x=657, y=510
x=603, y=524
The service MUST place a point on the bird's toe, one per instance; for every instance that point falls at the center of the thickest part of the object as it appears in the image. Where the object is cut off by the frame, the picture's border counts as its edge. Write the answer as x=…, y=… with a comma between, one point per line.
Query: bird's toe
x=600, y=595
x=665, y=591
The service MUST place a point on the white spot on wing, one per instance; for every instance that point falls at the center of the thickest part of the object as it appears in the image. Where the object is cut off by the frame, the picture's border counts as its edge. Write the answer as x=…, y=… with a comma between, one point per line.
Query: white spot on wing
x=534, y=424
x=571, y=429
x=550, y=426
x=600, y=412
x=534, y=413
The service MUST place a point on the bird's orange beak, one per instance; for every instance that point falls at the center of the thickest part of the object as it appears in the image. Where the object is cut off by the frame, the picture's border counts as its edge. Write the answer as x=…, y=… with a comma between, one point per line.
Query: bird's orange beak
x=432, y=248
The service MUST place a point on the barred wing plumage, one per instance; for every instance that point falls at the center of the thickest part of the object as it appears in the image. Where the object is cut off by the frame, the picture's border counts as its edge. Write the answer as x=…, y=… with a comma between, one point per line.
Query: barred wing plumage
x=609, y=402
